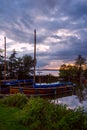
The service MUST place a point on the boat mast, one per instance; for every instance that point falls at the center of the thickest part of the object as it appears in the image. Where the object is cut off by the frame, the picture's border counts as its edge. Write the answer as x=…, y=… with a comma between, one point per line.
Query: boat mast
x=34, y=54
x=4, y=58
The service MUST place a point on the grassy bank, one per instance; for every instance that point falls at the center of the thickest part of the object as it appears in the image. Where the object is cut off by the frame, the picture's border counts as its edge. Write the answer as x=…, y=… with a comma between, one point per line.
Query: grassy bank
x=8, y=119
x=17, y=112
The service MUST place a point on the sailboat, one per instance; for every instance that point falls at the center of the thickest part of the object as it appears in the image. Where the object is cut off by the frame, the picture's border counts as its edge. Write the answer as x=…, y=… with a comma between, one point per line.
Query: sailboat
x=29, y=87
x=34, y=89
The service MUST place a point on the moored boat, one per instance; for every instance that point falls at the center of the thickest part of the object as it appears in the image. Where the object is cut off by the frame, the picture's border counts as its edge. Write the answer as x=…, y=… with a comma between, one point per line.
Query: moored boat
x=42, y=89
x=28, y=88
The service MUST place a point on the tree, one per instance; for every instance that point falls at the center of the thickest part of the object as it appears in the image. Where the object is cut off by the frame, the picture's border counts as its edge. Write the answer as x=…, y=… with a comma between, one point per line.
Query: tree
x=85, y=73
x=12, y=64
x=68, y=72
x=20, y=67
x=79, y=62
x=1, y=65
x=17, y=67
x=74, y=73
x=24, y=66
x=63, y=72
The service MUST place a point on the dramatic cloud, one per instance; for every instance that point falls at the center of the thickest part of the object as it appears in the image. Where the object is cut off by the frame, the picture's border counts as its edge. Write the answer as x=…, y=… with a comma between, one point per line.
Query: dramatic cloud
x=61, y=29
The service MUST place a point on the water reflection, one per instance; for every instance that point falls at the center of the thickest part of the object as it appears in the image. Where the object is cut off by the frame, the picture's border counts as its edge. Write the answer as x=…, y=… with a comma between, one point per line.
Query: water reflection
x=81, y=93
x=79, y=99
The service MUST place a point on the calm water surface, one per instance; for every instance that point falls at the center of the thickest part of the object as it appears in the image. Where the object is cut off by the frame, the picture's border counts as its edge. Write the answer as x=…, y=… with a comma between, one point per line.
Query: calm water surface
x=74, y=101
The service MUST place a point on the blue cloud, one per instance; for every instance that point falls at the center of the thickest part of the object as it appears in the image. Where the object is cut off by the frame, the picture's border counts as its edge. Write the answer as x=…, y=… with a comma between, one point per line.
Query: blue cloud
x=19, y=18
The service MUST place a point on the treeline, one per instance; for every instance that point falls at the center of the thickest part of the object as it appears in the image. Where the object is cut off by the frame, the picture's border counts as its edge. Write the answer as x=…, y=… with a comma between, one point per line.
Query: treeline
x=46, y=78
x=76, y=72
x=16, y=67
x=22, y=68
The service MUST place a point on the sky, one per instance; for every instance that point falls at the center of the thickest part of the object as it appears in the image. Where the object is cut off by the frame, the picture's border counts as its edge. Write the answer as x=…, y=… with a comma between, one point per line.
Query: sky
x=61, y=29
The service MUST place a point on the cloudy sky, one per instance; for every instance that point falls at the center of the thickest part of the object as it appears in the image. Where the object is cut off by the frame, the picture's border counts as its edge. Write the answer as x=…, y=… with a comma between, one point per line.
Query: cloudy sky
x=61, y=27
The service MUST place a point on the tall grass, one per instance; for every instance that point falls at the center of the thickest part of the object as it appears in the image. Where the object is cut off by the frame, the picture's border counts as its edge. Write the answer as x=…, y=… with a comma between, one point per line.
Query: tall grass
x=16, y=100
x=40, y=114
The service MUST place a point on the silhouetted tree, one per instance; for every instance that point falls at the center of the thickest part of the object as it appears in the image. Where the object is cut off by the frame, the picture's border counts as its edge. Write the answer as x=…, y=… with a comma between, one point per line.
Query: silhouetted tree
x=79, y=62
x=25, y=65
x=1, y=65
x=20, y=67
x=68, y=72
x=12, y=64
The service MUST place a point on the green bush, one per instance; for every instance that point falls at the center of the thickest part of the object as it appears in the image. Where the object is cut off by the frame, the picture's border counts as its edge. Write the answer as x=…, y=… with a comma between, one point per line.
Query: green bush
x=40, y=114
x=16, y=100
x=37, y=114
x=73, y=120
x=85, y=122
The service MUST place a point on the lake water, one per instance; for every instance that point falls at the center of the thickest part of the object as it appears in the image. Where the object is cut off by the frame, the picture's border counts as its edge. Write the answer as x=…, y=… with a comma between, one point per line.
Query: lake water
x=74, y=101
